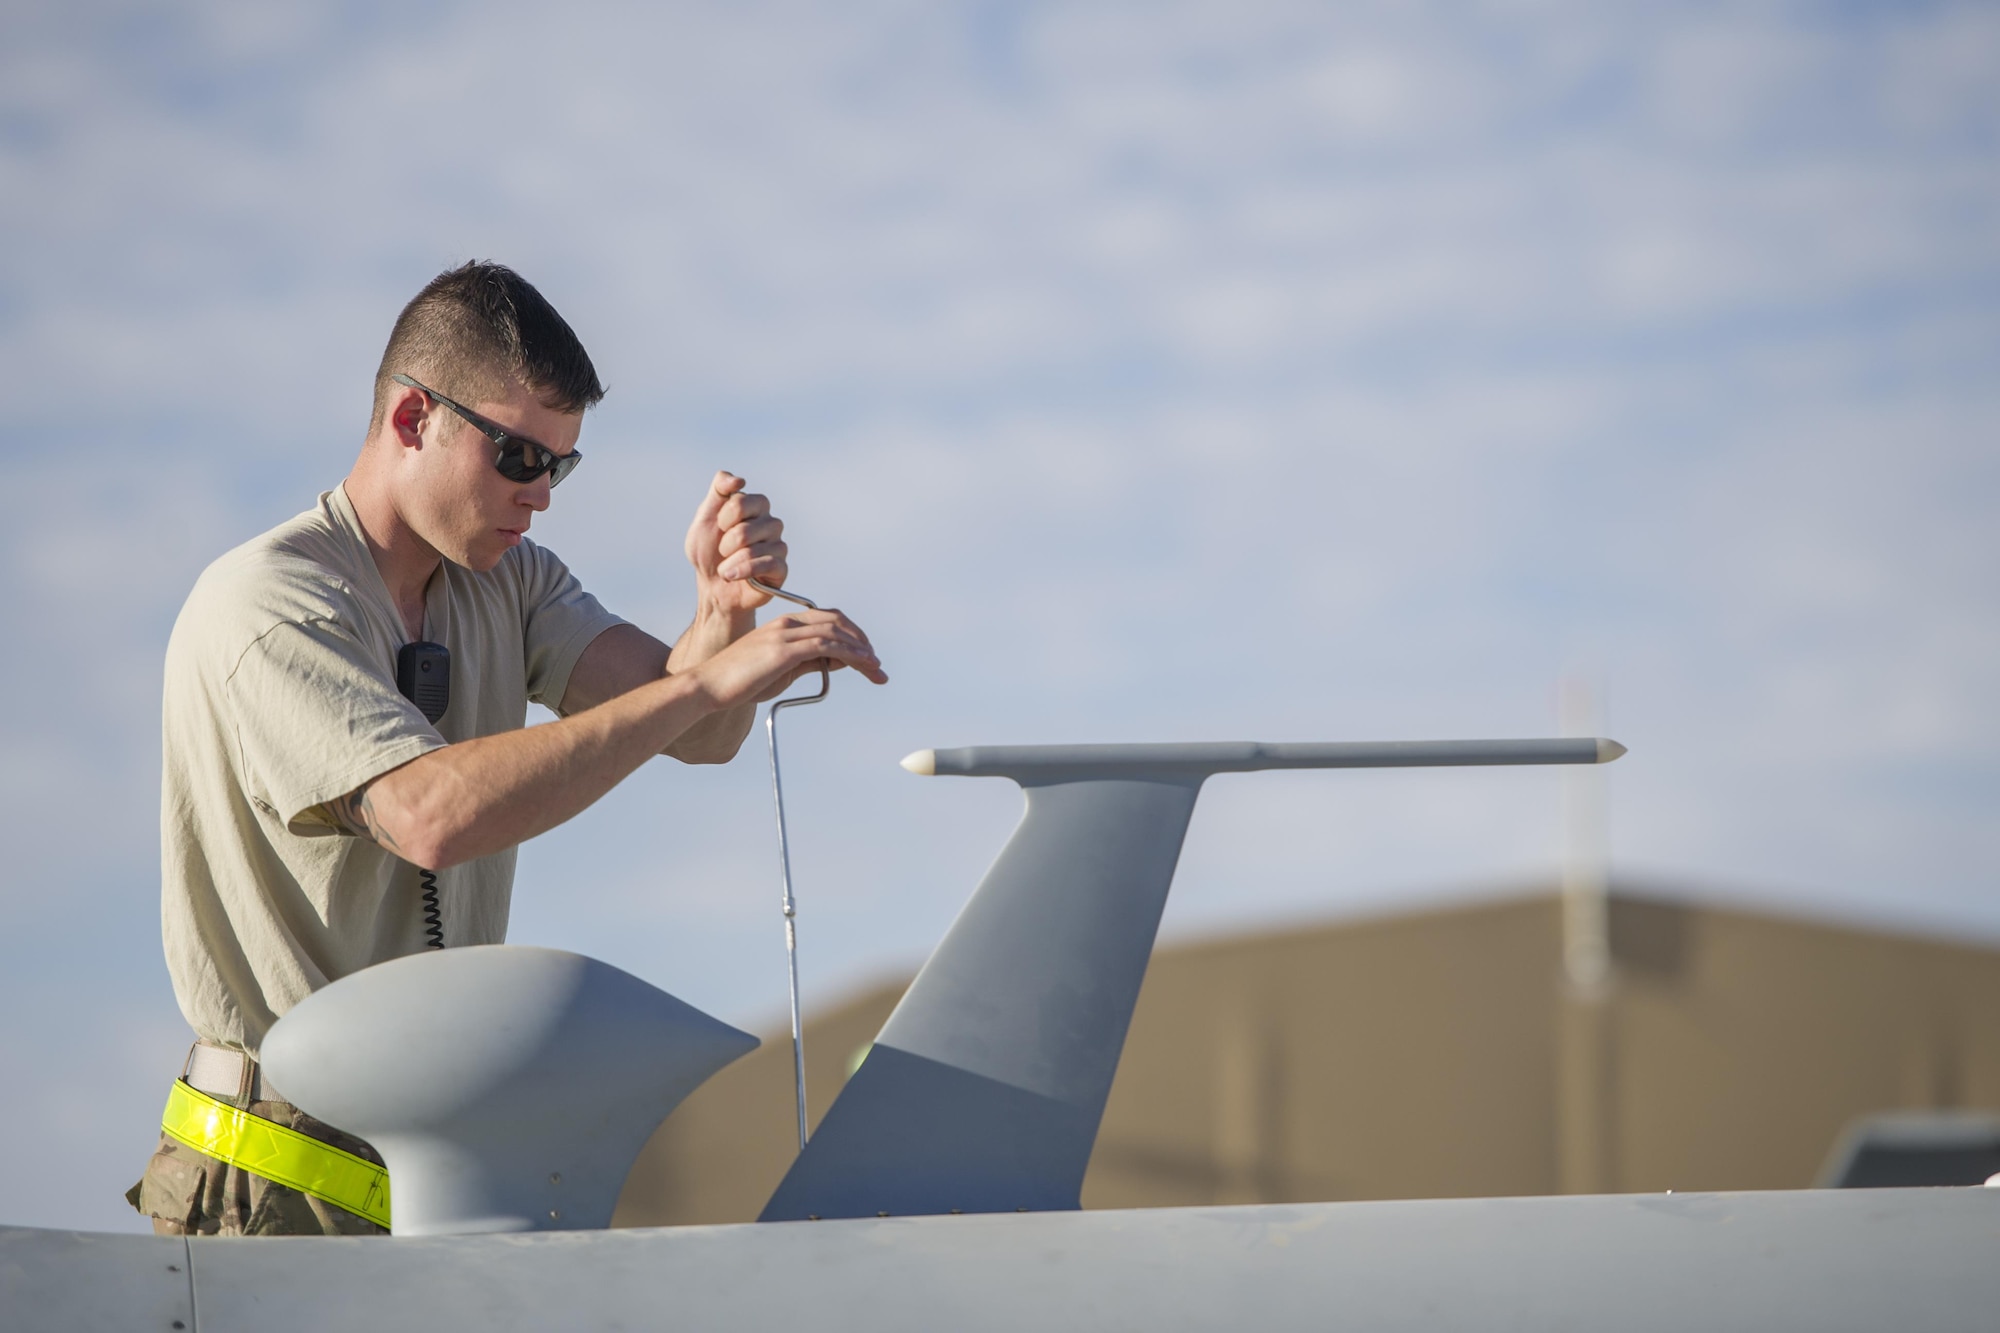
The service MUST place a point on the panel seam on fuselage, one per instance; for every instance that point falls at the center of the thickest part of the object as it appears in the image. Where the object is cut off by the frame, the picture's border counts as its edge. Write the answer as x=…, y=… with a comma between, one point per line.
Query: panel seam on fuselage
x=187, y=1261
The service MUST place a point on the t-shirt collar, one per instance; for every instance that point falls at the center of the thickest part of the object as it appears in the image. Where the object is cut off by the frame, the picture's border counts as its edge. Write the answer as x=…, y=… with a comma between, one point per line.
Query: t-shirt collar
x=437, y=593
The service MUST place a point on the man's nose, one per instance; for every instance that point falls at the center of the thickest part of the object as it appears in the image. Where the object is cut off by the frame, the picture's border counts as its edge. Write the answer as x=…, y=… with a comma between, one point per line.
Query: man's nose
x=535, y=494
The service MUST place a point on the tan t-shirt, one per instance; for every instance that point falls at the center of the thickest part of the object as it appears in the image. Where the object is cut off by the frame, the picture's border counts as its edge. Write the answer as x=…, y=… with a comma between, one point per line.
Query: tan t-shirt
x=280, y=696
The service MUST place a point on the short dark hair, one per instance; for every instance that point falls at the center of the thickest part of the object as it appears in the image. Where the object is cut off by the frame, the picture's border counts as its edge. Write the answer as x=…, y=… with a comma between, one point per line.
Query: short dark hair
x=475, y=327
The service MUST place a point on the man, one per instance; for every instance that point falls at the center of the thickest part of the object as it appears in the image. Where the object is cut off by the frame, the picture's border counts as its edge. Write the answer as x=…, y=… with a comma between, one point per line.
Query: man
x=308, y=805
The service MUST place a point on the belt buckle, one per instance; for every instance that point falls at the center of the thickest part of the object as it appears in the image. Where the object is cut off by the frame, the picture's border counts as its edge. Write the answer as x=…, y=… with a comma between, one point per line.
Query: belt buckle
x=246, y=1072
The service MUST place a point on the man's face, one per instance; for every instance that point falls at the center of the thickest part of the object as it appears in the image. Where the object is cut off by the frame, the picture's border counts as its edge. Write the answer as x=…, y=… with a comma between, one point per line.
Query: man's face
x=461, y=505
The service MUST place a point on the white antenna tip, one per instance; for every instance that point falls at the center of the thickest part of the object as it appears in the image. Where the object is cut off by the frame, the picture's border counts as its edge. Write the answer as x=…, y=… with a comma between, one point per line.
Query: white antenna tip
x=924, y=763
x=1606, y=751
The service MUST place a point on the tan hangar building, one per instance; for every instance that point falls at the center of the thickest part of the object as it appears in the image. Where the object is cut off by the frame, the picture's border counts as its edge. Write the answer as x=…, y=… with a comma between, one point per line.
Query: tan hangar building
x=1441, y=1053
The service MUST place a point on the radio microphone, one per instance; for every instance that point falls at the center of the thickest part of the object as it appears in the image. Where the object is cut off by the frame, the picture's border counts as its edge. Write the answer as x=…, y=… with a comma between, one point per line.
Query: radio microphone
x=423, y=674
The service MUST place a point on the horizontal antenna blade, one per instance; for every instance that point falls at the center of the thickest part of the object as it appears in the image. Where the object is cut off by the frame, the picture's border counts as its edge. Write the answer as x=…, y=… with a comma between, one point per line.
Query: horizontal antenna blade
x=1062, y=762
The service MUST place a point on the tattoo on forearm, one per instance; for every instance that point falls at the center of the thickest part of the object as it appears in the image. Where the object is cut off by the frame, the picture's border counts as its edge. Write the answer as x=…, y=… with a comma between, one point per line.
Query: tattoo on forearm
x=355, y=812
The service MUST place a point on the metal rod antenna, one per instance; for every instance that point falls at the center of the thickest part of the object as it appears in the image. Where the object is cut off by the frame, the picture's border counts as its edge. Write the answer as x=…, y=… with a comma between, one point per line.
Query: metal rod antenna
x=785, y=860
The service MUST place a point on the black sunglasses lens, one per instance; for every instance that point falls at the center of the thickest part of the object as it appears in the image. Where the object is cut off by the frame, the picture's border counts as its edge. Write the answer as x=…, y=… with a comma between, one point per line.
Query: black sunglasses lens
x=517, y=461
x=523, y=460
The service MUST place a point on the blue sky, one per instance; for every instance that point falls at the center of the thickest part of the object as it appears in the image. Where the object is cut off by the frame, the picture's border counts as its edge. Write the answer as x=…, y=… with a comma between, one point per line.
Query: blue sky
x=1176, y=371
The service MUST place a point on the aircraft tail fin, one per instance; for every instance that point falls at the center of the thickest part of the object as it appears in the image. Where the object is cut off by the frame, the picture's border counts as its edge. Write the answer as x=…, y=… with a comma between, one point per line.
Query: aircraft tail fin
x=984, y=1090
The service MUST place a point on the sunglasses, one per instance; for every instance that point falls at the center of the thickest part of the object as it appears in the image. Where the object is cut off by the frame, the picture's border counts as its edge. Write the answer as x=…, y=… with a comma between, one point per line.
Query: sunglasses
x=518, y=458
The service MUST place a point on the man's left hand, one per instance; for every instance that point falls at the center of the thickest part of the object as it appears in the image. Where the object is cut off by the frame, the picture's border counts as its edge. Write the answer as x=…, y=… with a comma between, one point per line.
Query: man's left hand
x=735, y=538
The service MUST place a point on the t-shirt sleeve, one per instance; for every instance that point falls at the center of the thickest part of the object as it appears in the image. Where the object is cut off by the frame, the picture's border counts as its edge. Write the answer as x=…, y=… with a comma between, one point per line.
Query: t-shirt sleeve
x=559, y=619
x=315, y=717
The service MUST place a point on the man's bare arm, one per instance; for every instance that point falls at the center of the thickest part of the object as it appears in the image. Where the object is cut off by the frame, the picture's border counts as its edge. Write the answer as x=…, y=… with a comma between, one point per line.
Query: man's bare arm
x=481, y=796
x=354, y=814
x=625, y=657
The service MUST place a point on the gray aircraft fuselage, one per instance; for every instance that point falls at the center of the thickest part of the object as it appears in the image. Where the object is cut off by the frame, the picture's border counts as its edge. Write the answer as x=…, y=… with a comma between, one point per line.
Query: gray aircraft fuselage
x=1815, y=1261
x=981, y=1096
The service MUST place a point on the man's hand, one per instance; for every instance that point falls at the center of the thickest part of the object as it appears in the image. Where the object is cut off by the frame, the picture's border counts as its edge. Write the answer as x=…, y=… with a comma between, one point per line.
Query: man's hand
x=763, y=664
x=733, y=539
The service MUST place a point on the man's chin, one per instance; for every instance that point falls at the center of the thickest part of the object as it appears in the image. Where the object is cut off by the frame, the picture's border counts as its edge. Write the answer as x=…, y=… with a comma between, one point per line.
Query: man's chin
x=479, y=559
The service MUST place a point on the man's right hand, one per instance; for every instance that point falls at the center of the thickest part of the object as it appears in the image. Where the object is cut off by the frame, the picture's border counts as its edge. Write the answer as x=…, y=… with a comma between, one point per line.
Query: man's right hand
x=764, y=663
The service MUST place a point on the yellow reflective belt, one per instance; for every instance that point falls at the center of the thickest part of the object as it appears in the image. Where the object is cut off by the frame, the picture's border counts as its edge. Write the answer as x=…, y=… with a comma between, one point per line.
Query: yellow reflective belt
x=277, y=1152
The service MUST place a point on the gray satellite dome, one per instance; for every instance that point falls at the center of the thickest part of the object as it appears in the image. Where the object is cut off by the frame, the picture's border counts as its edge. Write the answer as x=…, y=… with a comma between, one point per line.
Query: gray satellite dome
x=507, y=1088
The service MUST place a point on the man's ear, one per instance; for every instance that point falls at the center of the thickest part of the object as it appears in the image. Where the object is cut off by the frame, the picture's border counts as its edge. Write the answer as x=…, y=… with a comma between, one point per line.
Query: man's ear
x=407, y=409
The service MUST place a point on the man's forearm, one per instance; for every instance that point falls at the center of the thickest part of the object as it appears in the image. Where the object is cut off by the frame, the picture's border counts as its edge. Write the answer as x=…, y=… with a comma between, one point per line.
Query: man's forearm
x=715, y=739
x=481, y=796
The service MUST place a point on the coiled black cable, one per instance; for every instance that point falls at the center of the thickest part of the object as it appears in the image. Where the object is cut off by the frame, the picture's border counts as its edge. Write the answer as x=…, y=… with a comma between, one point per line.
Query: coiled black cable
x=433, y=912
x=423, y=674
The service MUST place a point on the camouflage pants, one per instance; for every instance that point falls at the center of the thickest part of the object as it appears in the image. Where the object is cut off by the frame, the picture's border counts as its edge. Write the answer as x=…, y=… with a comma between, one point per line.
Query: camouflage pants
x=187, y=1193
